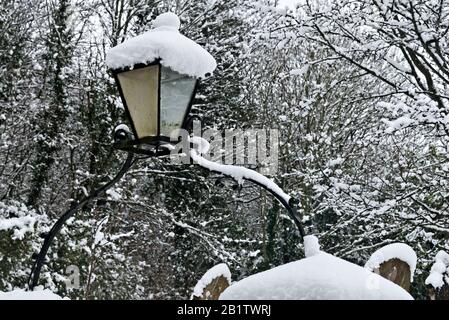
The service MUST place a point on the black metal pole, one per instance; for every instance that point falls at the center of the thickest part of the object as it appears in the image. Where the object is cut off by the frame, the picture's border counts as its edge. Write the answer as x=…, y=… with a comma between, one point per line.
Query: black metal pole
x=37, y=266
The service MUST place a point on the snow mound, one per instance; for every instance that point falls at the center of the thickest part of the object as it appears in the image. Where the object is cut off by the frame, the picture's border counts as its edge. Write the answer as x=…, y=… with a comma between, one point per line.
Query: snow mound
x=319, y=277
x=20, y=294
x=166, y=43
x=399, y=251
x=439, y=273
x=311, y=246
x=214, y=272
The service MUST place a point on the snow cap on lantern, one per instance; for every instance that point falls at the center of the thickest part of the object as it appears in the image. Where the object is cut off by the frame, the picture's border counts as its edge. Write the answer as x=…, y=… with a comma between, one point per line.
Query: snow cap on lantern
x=167, y=20
x=166, y=43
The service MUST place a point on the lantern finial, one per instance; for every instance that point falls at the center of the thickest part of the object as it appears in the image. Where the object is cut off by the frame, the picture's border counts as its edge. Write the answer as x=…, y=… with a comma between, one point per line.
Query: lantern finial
x=167, y=20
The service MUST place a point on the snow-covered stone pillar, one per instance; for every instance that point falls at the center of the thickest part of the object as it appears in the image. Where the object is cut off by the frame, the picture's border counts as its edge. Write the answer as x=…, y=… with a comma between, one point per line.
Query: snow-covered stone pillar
x=395, y=262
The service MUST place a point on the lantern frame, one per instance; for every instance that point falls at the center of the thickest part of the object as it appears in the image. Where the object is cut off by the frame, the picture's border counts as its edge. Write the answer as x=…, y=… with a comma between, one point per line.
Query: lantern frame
x=149, y=145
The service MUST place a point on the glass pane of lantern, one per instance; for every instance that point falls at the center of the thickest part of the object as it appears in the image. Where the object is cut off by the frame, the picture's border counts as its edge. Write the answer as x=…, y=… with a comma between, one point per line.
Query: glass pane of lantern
x=140, y=90
x=176, y=93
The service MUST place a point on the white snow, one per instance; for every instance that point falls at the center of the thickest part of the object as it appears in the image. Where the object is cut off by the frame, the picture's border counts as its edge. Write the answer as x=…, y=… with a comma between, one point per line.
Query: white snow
x=166, y=43
x=320, y=276
x=400, y=123
x=24, y=221
x=37, y=294
x=239, y=174
x=399, y=251
x=99, y=237
x=311, y=246
x=335, y=162
x=123, y=127
x=439, y=273
x=291, y=4
x=21, y=225
x=113, y=194
x=213, y=273
x=300, y=71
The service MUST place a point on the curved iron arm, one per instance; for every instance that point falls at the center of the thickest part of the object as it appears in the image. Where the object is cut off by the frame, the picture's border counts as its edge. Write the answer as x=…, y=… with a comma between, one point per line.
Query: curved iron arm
x=290, y=205
x=189, y=121
x=37, y=266
x=49, y=237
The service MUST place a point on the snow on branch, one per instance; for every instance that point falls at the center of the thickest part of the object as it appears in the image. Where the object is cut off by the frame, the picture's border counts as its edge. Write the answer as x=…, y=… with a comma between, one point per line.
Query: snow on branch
x=238, y=173
x=16, y=217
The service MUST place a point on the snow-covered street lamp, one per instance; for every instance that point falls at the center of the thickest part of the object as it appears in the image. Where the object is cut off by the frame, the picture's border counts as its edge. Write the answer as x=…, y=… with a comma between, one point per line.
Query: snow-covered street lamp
x=157, y=74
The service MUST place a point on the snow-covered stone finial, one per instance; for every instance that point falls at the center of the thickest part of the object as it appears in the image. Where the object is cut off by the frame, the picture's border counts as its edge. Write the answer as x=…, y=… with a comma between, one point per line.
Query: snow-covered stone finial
x=168, y=20
x=311, y=246
x=166, y=44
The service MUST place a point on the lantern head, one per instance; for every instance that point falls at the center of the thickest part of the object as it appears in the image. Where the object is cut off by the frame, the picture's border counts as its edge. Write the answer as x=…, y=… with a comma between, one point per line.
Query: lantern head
x=157, y=74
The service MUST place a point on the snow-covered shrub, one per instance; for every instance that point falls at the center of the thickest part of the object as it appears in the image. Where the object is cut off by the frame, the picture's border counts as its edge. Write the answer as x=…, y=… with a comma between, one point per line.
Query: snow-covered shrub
x=19, y=239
